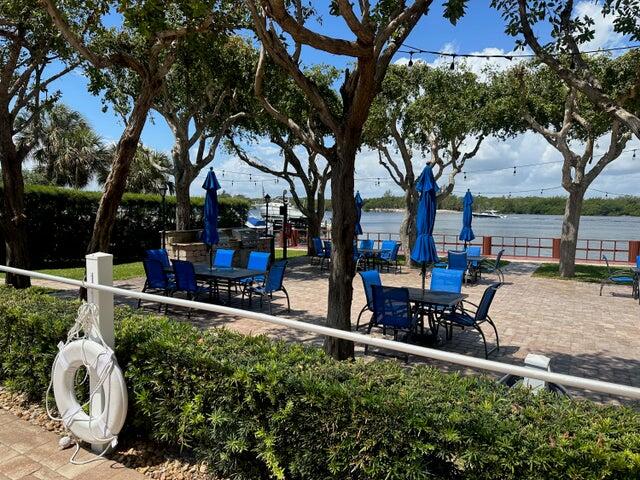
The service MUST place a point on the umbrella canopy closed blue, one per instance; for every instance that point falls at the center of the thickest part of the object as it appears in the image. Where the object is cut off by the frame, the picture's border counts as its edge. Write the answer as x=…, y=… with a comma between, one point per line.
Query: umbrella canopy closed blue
x=210, y=232
x=359, y=203
x=466, y=234
x=424, y=250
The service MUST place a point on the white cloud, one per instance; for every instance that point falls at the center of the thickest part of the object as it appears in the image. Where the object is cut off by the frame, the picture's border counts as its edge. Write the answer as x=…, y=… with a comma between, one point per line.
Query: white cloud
x=604, y=34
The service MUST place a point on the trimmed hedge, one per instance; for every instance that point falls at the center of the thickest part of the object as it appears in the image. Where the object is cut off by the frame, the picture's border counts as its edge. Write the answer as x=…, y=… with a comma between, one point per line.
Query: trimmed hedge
x=60, y=222
x=256, y=408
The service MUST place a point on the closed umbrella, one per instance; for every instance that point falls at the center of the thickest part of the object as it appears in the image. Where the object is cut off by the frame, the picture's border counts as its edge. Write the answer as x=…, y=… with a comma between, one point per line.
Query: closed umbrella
x=466, y=234
x=359, y=203
x=424, y=250
x=210, y=233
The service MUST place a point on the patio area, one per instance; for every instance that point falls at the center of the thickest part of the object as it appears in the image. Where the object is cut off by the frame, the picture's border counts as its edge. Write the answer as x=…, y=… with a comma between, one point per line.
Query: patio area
x=584, y=334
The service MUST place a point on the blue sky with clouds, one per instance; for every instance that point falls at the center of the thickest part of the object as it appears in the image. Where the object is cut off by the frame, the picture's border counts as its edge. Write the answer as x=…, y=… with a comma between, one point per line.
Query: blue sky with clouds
x=480, y=31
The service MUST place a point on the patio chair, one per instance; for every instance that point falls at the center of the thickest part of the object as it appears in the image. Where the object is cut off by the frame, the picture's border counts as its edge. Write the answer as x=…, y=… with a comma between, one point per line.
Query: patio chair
x=326, y=247
x=473, y=267
x=369, y=279
x=223, y=258
x=391, y=310
x=457, y=261
x=617, y=277
x=157, y=280
x=468, y=318
x=186, y=281
x=493, y=266
x=273, y=283
x=443, y=280
x=389, y=255
x=318, y=250
x=257, y=261
x=366, y=244
x=159, y=254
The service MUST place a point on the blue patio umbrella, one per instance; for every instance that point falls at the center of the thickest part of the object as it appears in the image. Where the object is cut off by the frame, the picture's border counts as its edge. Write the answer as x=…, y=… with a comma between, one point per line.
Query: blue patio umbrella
x=210, y=232
x=466, y=234
x=359, y=203
x=424, y=250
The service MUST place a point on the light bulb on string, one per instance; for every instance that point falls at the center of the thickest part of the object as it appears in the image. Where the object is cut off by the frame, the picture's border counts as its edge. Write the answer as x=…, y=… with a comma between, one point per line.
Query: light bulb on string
x=410, y=59
x=453, y=63
x=223, y=173
x=250, y=178
x=634, y=154
x=465, y=176
x=514, y=169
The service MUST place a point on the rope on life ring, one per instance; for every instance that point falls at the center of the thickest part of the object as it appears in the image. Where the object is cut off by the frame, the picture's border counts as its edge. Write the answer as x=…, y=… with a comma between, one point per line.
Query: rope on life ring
x=85, y=347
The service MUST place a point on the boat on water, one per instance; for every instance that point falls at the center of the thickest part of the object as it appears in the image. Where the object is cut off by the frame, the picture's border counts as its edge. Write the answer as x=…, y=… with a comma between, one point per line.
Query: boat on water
x=489, y=214
x=274, y=211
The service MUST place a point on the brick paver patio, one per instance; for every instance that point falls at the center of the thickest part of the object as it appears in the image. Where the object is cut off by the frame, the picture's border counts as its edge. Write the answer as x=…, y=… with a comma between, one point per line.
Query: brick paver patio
x=28, y=452
x=583, y=333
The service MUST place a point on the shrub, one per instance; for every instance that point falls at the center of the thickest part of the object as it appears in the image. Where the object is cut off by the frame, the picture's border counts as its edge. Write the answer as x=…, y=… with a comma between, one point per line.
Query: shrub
x=60, y=222
x=256, y=408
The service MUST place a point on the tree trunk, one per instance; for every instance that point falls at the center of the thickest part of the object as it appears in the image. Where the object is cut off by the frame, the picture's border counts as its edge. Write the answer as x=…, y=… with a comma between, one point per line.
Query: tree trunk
x=314, y=224
x=14, y=219
x=408, y=226
x=116, y=182
x=569, y=237
x=183, y=201
x=342, y=236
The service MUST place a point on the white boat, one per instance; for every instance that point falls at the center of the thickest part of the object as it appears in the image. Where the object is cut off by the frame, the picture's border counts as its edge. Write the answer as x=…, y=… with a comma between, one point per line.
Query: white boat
x=274, y=211
x=489, y=214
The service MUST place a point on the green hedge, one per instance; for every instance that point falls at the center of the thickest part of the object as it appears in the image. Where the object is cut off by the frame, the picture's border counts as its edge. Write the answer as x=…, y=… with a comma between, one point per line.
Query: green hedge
x=60, y=222
x=255, y=408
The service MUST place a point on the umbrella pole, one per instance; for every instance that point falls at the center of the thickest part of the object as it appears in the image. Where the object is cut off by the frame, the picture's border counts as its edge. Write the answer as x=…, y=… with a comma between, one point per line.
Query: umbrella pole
x=424, y=274
x=210, y=257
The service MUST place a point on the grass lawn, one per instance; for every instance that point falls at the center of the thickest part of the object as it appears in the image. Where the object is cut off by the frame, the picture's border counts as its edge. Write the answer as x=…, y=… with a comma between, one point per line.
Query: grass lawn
x=124, y=271
x=584, y=273
x=290, y=253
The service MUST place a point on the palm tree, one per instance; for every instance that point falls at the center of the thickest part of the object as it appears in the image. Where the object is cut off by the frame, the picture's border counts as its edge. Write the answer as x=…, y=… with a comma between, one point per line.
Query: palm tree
x=68, y=151
x=149, y=171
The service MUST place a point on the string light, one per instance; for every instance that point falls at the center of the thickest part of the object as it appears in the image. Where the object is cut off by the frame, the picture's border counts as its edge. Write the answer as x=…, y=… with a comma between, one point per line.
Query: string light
x=514, y=169
x=410, y=59
x=453, y=63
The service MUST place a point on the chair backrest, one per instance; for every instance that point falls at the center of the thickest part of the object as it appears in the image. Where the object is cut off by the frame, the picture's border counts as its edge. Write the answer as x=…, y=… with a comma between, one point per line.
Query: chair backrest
x=259, y=261
x=185, y=276
x=485, y=302
x=499, y=257
x=159, y=254
x=369, y=279
x=457, y=260
x=317, y=245
x=474, y=251
x=606, y=261
x=388, y=245
x=391, y=307
x=389, y=249
x=223, y=258
x=154, y=271
x=327, y=247
x=275, y=277
x=366, y=244
x=638, y=261
x=443, y=280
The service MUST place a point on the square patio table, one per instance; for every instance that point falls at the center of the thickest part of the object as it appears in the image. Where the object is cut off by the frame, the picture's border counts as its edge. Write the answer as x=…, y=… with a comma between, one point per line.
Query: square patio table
x=473, y=270
x=433, y=299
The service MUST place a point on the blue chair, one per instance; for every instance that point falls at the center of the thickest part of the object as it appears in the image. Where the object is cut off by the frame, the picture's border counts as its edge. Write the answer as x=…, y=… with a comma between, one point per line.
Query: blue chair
x=366, y=244
x=273, y=283
x=223, y=258
x=369, y=278
x=326, y=247
x=358, y=256
x=319, y=252
x=257, y=261
x=493, y=266
x=457, y=261
x=389, y=254
x=157, y=280
x=617, y=277
x=468, y=318
x=474, y=251
x=443, y=280
x=391, y=310
x=161, y=255
x=186, y=281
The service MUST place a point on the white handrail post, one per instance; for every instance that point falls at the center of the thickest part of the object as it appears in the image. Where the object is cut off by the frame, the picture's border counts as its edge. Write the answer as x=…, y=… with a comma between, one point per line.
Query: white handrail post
x=100, y=271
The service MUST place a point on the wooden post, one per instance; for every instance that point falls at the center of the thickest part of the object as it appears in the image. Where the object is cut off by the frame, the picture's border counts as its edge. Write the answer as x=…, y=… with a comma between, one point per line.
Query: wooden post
x=486, y=246
x=100, y=271
x=555, y=248
x=634, y=250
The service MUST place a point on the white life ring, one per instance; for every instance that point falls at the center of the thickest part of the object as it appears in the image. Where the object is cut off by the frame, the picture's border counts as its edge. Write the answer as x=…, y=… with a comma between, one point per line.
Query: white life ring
x=101, y=364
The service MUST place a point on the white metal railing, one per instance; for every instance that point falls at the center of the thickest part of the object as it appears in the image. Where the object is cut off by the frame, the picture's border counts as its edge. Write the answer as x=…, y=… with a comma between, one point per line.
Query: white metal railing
x=456, y=358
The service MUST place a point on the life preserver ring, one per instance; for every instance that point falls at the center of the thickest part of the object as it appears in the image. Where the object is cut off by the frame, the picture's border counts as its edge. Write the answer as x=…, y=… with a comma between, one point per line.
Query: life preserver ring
x=101, y=364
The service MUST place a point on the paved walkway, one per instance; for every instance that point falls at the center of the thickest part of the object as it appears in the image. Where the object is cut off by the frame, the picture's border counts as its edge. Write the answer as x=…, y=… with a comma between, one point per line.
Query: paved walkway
x=28, y=452
x=584, y=334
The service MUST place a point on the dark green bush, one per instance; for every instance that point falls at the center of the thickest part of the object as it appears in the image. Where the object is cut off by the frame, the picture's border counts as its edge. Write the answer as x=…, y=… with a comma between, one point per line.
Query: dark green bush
x=255, y=408
x=60, y=222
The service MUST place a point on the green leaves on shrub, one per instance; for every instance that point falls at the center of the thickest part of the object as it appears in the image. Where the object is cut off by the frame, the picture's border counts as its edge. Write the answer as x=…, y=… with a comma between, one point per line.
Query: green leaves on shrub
x=60, y=222
x=256, y=408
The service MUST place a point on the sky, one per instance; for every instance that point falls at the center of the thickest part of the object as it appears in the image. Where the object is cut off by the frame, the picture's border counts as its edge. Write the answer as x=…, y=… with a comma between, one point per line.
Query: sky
x=481, y=30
